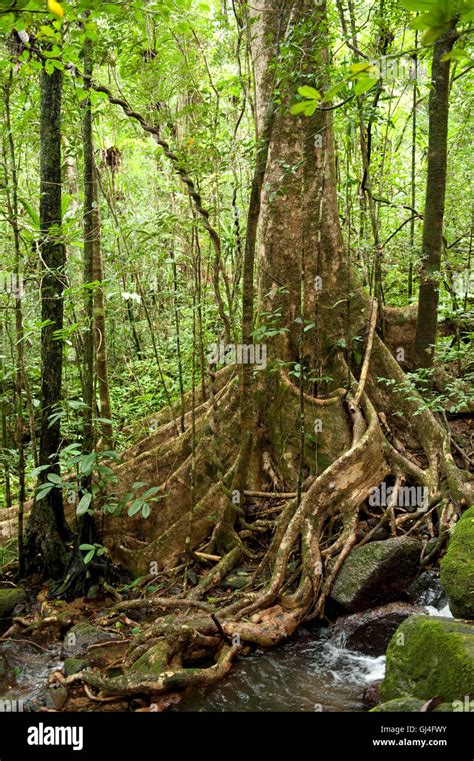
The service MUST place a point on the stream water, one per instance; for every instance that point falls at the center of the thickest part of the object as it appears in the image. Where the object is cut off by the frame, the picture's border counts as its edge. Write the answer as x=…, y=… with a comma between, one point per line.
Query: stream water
x=308, y=673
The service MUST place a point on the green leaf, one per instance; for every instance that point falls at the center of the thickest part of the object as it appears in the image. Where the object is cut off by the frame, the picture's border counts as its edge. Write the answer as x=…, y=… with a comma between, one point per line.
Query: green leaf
x=151, y=492
x=84, y=503
x=309, y=92
x=311, y=108
x=329, y=95
x=36, y=471
x=89, y=556
x=357, y=68
x=138, y=484
x=135, y=507
x=55, y=479
x=146, y=510
x=109, y=454
x=87, y=464
x=298, y=108
x=458, y=54
x=86, y=547
x=363, y=84
x=42, y=492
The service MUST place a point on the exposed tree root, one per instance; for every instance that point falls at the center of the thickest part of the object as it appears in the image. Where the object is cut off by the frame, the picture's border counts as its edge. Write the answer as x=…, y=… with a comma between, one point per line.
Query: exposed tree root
x=291, y=548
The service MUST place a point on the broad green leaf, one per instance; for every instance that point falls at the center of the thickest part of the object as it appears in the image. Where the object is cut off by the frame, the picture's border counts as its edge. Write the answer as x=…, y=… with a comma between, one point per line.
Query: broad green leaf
x=311, y=108
x=135, y=507
x=87, y=464
x=357, y=68
x=298, y=108
x=329, y=95
x=55, y=479
x=84, y=503
x=151, y=492
x=309, y=92
x=363, y=84
x=42, y=492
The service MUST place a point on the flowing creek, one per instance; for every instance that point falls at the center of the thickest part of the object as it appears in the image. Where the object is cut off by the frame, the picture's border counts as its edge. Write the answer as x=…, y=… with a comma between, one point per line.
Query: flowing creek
x=308, y=673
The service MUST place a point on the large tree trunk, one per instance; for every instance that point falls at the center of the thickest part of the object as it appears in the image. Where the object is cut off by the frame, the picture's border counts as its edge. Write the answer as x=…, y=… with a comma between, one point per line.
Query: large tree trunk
x=47, y=529
x=427, y=321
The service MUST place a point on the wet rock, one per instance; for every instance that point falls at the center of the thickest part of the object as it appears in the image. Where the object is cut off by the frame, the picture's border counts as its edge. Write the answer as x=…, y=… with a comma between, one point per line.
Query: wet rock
x=371, y=694
x=73, y=666
x=9, y=599
x=427, y=590
x=6, y=675
x=370, y=632
x=457, y=568
x=53, y=697
x=376, y=573
x=428, y=656
x=82, y=636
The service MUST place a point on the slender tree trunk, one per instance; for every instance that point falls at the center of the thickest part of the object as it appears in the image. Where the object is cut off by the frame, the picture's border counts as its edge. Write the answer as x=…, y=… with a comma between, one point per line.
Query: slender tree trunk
x=413, y=174
x=85, y=533
x=427, y=321
x=3, y=425
x=47, y=530
x=102, y=366
x=12, y=202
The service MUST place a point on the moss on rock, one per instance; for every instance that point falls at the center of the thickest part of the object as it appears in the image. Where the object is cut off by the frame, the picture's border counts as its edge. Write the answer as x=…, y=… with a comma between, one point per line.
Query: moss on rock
x=429, y=656
x=9, y=598
x=73, y=666
x=408, y=705
x=376, y=573
x=399, y=705
x=82, y=635
x=457, y=568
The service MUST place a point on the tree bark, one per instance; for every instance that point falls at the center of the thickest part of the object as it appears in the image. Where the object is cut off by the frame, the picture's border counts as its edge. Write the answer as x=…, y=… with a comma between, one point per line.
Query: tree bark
x=85, y=532
x=427, y=321
x=47, y=529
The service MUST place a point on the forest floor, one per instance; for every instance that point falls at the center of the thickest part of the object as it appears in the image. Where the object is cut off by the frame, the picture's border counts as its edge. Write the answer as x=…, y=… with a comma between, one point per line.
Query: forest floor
x=159, y=614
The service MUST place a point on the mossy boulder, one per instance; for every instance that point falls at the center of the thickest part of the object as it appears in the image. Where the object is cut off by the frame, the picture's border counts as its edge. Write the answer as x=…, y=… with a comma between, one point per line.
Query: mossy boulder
x=73, y=666
x=429, y=656
x=9, y=599
x=457, y=568
x=408, y=705
x=399, y=705
x=82, y=636
x=376, y=574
